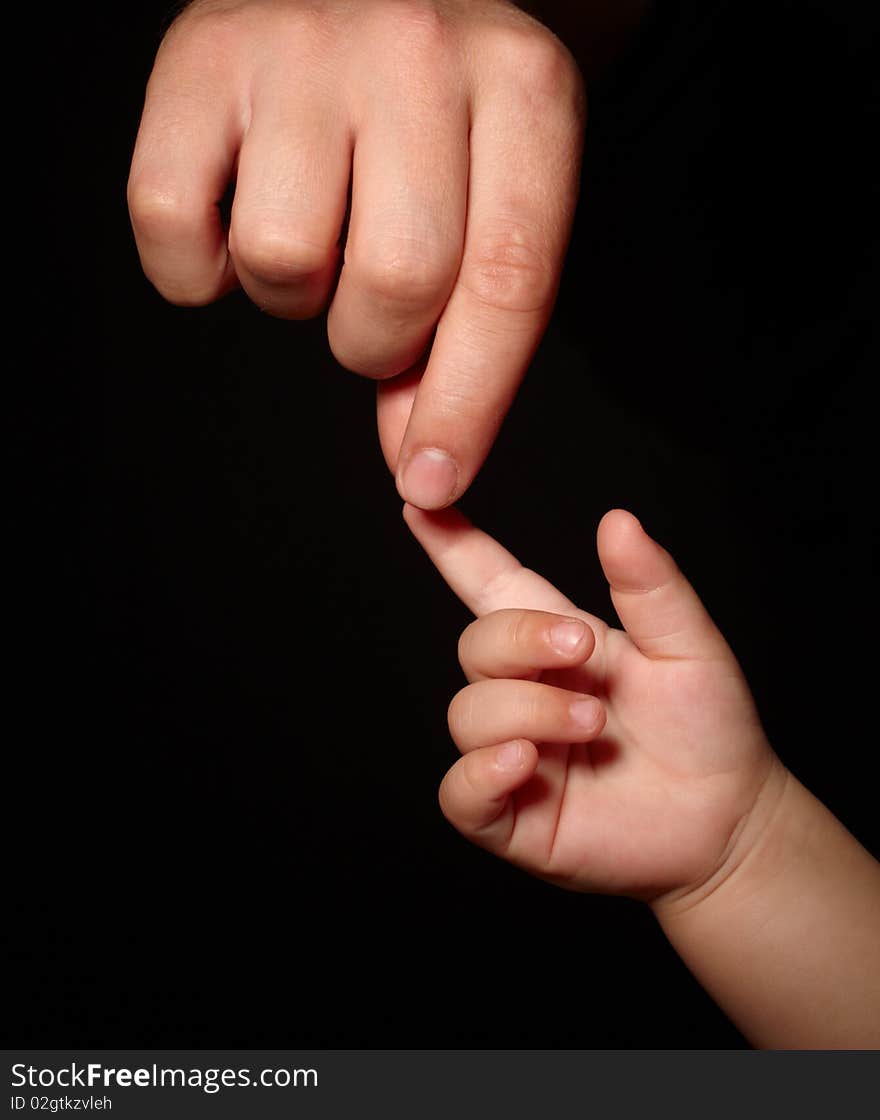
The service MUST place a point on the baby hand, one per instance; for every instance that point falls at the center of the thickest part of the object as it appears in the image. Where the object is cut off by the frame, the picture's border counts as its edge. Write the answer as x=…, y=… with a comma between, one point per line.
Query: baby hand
x=605, y=760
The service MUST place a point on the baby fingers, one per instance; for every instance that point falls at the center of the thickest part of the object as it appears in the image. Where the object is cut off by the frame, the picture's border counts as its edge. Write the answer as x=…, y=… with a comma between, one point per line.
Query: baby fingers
x=475, y=794
x=497, y=711
x=520, y=643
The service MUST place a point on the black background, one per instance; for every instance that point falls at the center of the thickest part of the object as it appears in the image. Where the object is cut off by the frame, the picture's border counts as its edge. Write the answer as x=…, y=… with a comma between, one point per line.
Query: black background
x=232, y=663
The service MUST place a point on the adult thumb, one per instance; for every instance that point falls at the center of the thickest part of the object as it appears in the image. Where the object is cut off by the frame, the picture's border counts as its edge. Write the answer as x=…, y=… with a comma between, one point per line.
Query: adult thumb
x=658, y=608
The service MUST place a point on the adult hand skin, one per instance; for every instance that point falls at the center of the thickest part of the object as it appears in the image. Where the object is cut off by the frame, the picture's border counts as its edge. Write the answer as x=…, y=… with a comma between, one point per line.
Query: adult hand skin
x=457, y=125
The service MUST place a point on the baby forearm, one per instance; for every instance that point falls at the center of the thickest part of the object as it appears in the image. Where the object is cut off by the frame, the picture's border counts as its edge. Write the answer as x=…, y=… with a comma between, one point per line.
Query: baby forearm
x=789, y=943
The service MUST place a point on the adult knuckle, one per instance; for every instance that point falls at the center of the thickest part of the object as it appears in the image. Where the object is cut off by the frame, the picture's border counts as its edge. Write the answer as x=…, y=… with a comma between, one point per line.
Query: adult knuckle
x=274, y=255
x=400, y=272
x=215, y=39
x=205, y=35
x=418, y=26
x=159, y=212
x=539, y=61
x=163, y=223
x=542, y=81
x=510, y=270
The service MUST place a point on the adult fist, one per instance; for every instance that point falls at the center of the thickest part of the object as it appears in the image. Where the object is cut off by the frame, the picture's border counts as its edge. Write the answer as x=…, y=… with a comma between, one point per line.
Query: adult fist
x=457, y=128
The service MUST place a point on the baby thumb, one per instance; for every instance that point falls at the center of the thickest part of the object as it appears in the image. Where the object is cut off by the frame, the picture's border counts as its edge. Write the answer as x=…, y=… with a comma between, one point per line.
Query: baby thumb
x=657, y=606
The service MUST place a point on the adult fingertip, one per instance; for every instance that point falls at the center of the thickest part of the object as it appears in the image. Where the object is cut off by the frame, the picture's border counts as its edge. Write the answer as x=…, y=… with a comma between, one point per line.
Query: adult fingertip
x=428, y=478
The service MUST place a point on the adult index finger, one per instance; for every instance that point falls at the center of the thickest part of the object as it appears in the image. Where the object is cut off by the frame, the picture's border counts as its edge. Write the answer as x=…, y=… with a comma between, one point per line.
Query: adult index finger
x=524, y=169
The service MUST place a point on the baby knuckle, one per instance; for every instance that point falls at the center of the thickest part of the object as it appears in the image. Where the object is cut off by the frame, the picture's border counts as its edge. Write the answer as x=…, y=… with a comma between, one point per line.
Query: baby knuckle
x=519, y=631
x=446, y=795
x=465, y=645
x=460, y=714
x=531, y=709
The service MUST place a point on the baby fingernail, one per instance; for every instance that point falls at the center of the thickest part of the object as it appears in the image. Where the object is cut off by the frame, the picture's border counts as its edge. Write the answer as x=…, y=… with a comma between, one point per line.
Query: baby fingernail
x=509, y=757
x=565, y=635
x=586, y=713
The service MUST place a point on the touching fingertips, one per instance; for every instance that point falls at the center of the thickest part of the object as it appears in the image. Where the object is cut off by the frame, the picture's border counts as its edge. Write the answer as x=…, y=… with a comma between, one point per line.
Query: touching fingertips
x=429, y=479
x=566, y=635
x=586, y=712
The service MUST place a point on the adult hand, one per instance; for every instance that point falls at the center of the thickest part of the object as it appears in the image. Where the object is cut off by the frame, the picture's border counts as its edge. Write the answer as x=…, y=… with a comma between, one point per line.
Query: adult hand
x=457, y=126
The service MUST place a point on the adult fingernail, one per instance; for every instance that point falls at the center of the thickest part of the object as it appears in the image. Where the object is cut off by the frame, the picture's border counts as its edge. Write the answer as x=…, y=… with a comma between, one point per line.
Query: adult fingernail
x=586, y=713
x=566, y=635
x=429, y=479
